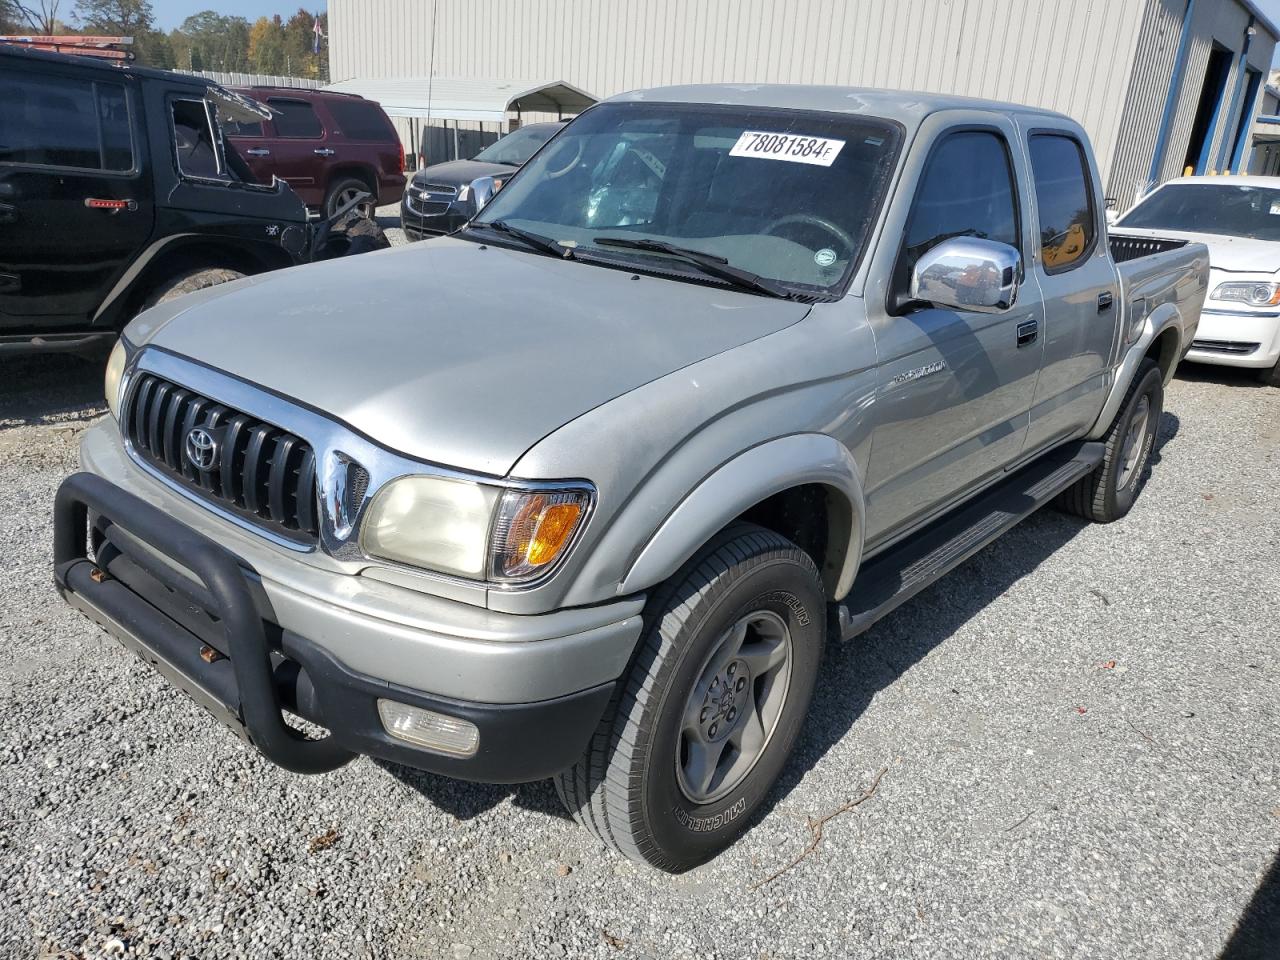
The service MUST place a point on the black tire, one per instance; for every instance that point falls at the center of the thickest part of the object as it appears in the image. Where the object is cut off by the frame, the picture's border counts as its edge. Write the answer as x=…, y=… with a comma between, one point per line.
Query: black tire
x=1109, y=492
x=339, y=193
x=626, y=789
x=1270, y=376
x=189, y=282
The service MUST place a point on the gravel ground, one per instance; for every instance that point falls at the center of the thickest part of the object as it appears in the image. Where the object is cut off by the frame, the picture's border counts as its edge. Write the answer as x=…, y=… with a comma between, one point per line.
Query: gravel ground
x=1081, y=730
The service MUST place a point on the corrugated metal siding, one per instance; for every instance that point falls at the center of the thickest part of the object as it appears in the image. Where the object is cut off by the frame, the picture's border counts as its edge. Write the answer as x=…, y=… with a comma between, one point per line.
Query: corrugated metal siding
x=1069, y=56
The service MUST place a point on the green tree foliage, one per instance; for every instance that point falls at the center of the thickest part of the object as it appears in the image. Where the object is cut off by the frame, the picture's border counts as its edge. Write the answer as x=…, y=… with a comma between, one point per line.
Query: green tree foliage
x=212, y=41
x=127, y=18
x=266, y=46
x=299, y=40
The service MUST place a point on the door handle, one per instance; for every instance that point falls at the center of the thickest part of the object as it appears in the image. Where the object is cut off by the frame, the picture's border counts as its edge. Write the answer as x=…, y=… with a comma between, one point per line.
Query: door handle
x=8, y=213
x=258, y=152
x=1105, y=300
x=1028, y=330
x=112, y=206
x=323, y=152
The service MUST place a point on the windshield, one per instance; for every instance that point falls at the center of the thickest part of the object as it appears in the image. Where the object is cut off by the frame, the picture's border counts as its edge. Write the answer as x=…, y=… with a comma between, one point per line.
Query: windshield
x=783, y=194
x=1232, y=209
x=517, y=147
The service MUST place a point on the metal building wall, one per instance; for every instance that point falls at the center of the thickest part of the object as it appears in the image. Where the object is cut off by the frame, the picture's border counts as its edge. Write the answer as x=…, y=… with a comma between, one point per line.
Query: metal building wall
x=1068, y=56
x=1075, y=56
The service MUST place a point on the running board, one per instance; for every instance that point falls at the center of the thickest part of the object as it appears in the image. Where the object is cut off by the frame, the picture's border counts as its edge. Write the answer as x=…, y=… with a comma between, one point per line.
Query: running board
x=894, y=577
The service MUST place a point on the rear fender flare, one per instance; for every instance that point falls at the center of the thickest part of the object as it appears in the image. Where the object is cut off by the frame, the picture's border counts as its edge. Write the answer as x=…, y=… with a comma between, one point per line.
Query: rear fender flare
x=741, y=483
x=1163, y=318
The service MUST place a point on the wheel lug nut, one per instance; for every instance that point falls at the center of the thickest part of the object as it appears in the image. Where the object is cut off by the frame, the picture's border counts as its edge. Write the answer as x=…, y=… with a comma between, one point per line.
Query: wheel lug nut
x=733, y=667
x=733, y=712
x=702, y=717
x=742, y=682
x=714, y=728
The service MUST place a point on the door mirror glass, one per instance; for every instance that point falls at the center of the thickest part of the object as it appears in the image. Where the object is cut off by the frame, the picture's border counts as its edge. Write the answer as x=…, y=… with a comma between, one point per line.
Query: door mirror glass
x=968, y=273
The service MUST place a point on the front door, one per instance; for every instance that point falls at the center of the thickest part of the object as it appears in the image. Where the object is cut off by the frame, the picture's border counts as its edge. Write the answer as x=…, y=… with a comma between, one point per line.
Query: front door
x=75, y=208
x=955, y=386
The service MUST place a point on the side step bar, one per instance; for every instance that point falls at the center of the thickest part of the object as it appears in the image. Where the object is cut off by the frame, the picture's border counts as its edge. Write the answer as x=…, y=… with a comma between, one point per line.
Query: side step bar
x=891, y=579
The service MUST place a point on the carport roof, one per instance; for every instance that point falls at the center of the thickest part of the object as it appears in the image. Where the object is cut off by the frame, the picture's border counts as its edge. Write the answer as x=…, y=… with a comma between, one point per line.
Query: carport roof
x=452, y=98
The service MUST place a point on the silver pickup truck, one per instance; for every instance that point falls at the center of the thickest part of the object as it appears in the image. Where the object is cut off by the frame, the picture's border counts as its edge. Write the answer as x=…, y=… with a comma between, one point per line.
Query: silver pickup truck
x=580, y=491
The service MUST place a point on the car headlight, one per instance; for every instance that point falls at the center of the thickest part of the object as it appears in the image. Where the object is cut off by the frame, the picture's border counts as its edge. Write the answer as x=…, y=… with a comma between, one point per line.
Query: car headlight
x=1257, y=294
x=474, y=530
x=115, y=373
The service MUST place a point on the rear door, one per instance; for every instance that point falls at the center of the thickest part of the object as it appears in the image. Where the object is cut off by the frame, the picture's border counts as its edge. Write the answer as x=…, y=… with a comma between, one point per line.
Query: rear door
x=75, y=201
x=1080, y=286
x=363, y=135
x=955, y=386
x=299, y=153
x=251, y=142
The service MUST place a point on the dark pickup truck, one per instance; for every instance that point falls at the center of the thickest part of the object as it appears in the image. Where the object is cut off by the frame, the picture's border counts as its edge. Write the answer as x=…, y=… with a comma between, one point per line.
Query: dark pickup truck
x=117, y=192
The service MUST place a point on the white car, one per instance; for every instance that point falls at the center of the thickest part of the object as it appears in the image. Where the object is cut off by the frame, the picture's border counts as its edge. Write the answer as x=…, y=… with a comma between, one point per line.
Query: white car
x=1238, y=218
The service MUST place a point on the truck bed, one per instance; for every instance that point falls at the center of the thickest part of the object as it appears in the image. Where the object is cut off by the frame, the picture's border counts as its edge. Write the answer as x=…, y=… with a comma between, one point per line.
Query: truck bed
x=1125, y=248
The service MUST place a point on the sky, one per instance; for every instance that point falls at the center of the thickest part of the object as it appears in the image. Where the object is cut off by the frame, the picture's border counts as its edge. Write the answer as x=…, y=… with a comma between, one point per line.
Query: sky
x=171, y=13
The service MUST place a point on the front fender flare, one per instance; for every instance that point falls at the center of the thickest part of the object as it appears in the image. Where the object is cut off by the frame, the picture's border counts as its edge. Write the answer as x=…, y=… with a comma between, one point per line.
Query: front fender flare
x=740, y=484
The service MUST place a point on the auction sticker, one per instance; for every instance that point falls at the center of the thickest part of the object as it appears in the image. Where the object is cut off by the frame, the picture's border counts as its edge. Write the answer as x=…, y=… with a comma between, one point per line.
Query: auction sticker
x=791, y=147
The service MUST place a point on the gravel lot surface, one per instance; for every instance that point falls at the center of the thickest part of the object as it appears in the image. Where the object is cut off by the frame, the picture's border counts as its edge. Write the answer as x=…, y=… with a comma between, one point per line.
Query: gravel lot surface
x=1081, y=730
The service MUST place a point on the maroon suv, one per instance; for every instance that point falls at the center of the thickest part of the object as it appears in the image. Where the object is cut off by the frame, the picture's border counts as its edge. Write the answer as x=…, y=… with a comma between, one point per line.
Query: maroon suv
x=327, y=146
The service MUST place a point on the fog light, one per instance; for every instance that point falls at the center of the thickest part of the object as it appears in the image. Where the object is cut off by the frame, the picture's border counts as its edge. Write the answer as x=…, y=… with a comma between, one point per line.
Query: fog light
x=426, y=728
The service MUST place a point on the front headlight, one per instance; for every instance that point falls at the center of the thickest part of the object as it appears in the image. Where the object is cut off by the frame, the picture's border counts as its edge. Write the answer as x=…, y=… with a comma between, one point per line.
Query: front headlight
x=474, y=530
x=431, y=522
x=1256, y=294
x=115, y=372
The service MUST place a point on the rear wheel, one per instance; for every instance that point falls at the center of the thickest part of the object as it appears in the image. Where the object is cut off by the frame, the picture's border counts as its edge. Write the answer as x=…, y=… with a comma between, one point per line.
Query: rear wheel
x=343, y=192
x=711, y=707
x=1109, y=492
x=189, y=282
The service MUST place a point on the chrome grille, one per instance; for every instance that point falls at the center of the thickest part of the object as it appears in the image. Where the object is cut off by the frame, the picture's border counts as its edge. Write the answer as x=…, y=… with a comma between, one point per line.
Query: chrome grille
x=257, y=471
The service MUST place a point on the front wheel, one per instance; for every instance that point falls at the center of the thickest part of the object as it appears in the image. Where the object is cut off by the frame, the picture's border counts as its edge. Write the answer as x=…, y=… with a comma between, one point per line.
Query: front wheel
x=1109, y=492
x=705, y=720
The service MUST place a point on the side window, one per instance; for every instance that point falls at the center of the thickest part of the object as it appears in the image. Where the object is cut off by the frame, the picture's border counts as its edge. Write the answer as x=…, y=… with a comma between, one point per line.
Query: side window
x=64, y=122
x=359, y=120
x=295, y=119
x=231, y=128
x=1064, y=200
x=194, y=138
x=966, y=190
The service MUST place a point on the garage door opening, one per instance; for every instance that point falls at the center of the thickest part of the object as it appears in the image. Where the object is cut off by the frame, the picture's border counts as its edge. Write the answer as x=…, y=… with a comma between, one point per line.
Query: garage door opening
x=1212, y=95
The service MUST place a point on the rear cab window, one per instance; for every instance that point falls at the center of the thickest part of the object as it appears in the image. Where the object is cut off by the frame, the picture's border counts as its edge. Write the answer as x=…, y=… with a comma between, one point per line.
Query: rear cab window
x=1064, y=200
x=360, y=120
x=52, y=121
x=295, y=119
x=967, y=189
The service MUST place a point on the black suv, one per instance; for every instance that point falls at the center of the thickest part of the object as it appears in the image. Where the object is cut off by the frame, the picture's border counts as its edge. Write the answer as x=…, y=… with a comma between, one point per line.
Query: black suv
x=117, y=191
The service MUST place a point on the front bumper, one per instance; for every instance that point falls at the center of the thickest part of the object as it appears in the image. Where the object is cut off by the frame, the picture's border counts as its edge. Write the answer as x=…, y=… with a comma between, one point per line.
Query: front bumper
x=445, y=217
x=1237, y=338
x=214, y=635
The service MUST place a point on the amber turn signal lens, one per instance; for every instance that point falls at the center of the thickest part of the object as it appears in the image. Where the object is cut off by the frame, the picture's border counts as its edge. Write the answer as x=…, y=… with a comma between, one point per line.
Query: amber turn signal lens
x=533, y=530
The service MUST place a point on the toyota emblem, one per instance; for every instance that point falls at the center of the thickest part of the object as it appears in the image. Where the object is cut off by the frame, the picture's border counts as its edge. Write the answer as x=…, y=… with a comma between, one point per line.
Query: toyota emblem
x=201, y=449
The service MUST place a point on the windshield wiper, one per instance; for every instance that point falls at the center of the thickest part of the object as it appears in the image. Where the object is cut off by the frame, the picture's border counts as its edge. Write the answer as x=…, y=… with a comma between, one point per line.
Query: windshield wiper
x=709, y=263
x=535, y=240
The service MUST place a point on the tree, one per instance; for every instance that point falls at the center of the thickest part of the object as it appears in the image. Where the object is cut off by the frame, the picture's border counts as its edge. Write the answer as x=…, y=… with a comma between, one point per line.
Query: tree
x=299, y=45
x=266, y=46
x=115, y=18
x=213, y=42
x=41, y=17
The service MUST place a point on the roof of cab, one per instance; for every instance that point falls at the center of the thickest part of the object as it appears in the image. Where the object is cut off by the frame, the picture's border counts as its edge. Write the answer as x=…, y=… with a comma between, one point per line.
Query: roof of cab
x=907, y=106
x=96, y=63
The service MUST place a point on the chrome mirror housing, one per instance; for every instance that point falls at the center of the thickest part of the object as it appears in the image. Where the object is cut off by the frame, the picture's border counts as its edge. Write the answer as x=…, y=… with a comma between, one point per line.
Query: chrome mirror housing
x=968, y=273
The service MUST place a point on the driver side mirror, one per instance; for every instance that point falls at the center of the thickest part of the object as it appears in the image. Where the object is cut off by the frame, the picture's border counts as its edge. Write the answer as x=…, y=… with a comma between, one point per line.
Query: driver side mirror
x=968, y=273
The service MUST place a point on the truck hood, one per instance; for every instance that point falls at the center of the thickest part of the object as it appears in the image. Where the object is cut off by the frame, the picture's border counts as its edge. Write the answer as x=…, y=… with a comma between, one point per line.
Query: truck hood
x=456, y=353
x=1233, y=254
